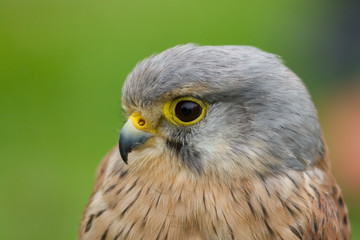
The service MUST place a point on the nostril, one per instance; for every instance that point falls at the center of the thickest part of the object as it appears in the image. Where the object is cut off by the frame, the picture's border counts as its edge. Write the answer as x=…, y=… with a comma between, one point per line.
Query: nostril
x=141, y=122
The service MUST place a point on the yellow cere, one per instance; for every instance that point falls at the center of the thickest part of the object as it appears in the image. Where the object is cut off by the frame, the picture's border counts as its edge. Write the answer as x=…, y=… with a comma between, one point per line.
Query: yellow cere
x=169, y=111
x=140, y=122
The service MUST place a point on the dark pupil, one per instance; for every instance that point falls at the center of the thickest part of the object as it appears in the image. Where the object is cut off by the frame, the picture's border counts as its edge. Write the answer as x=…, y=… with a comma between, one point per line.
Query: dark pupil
x=187, y=111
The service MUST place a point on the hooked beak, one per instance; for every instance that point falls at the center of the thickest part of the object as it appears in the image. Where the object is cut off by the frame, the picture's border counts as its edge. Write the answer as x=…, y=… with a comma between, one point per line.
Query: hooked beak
x=131, y=138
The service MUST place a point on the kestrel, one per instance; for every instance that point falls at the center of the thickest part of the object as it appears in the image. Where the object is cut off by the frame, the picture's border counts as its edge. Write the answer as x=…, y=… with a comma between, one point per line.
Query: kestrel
x=221, y=142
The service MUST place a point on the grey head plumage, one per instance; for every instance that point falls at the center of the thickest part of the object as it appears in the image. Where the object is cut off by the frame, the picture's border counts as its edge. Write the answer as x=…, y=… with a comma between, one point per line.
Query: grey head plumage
x=260, y=117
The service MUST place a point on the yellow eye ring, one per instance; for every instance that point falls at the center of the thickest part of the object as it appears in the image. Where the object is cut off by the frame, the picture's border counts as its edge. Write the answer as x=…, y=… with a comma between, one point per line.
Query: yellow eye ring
x=188, y=105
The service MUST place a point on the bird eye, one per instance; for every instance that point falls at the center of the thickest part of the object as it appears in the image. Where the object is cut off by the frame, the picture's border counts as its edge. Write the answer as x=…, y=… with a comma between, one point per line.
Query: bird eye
x=187, y=111
x=184, y=111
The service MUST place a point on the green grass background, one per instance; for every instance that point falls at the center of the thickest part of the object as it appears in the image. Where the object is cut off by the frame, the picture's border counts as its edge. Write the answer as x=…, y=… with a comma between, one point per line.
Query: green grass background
x=62, y=66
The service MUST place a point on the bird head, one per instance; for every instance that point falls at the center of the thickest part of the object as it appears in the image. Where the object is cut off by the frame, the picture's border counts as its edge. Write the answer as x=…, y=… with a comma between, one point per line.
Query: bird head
x=232, y=110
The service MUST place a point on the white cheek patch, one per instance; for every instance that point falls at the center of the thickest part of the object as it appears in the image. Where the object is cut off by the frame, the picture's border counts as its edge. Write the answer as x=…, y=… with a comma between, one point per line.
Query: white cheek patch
x=151, y=154
x=216, y=154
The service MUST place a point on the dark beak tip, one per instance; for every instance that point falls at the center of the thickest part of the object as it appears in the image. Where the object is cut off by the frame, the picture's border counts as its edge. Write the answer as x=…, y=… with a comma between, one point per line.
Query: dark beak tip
x=124, y=158
x=123, y=152
x=130, y=140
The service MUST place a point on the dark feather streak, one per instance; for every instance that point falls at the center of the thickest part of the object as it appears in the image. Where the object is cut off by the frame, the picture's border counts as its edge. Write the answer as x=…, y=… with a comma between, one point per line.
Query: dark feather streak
x=99, y=213
x=130, y=205
x=89, y=223
x=145, y=218
x=315, y=225
x=341, y=202
x=124, y=173
x=214, y=228
x=272, y=233
x=110, y=188
x=161, y=229
x=295, y=231
x=228, y=225
x=103, y=237
x=132, y=186
x=251, y=208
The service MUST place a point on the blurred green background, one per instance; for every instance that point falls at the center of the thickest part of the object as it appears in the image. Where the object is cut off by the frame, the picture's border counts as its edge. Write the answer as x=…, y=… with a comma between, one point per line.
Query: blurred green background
x=63, y=63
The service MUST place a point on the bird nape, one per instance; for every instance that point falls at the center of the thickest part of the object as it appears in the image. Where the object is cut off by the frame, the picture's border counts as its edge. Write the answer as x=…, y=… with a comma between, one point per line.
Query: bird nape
x=221, y=142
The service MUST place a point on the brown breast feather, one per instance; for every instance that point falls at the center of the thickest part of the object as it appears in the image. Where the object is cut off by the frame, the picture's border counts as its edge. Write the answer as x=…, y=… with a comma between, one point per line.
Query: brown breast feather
x=295, y=205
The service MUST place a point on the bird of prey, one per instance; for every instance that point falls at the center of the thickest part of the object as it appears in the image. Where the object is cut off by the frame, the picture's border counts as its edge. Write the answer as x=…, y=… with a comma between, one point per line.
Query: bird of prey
x=221, y=142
